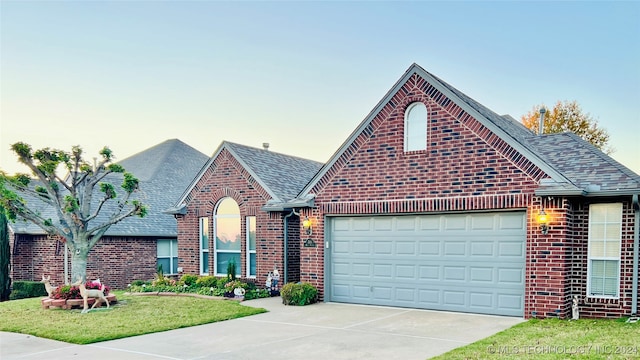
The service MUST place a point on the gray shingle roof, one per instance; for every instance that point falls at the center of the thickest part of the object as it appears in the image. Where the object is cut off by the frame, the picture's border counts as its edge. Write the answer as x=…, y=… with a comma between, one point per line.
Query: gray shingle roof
x=283, y=175
x=586, y=167
x=164, y=171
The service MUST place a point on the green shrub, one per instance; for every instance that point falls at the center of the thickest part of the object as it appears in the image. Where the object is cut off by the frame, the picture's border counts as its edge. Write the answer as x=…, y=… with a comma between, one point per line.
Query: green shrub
x=27, y=289
x=231, y=270
x=207, y=281
x=221, y=283
x=256, y=294
x=299, y=294
x=140, y=283
x=189, y=279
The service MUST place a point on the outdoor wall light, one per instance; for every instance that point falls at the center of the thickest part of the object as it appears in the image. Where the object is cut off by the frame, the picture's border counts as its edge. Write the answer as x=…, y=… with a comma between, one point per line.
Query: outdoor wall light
x=543, y=220
x=306, y=225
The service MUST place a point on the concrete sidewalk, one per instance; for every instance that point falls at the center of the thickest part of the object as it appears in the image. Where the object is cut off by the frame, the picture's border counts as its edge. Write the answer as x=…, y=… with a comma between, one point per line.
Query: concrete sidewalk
x=321, y=331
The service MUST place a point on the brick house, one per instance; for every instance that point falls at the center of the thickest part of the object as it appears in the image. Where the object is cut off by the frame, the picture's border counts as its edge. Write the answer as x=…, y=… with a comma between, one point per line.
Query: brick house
x=220, y=217
x=131, y=249
x=434, y=202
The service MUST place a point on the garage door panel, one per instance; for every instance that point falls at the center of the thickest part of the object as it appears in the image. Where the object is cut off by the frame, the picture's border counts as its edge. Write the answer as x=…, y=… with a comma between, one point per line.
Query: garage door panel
x=383, y=248
x=429, y=248
x=462, y=262
x=455, y=248
x=510, y=276
x=509, y=248
x=482, y=274
x=482, y=248
x=481, y=300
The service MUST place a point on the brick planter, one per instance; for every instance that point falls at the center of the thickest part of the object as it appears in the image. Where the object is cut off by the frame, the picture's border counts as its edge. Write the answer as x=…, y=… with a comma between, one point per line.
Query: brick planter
x=48, y=303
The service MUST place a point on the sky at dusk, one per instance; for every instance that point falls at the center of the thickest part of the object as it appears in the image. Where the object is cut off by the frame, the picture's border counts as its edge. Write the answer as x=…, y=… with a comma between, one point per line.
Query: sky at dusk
x=299, y=75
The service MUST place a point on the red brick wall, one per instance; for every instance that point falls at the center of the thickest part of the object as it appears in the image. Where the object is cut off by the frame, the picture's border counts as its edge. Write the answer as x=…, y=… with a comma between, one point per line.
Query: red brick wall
x=464, y=168
x=227, y=178
x=595, y=307
x=116, y=261
x=549, y=260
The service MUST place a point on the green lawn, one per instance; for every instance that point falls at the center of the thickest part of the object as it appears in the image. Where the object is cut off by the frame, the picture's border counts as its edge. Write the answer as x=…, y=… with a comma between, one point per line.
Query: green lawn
x=132, y=315
x=557, y=339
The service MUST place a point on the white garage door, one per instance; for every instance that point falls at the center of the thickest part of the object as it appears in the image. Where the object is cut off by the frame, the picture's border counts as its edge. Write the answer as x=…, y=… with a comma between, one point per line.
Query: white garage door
x=459, y=262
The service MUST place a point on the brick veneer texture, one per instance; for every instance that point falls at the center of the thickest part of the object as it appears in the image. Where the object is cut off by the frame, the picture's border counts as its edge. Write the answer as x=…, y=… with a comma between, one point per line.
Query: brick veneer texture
x=116, y=261
x=464, y=168
x=227, y=178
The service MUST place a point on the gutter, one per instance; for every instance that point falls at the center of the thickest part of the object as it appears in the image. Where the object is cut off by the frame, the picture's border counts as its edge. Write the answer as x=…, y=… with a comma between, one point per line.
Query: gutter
x=636, y=246
x=584, y=193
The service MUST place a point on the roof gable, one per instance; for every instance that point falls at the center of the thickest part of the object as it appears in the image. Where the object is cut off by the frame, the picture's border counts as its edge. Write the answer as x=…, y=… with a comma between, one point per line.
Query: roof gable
x=281, y=176
x=505, y=134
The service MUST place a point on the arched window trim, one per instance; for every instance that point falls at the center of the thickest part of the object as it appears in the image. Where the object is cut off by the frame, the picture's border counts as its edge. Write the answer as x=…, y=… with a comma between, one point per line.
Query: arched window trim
x=223, y=271
x=415, y=130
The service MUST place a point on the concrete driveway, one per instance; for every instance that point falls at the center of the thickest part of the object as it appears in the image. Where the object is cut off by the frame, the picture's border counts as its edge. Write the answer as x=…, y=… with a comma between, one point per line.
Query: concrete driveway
x=321, y=331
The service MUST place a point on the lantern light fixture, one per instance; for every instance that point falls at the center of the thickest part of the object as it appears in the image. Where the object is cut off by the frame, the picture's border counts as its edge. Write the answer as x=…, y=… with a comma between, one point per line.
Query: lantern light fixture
x=543, y=221
x=306, y=225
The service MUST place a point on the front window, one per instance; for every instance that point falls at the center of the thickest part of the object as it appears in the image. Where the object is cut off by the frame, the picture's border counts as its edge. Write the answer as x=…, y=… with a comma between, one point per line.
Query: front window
x=227, y=229
x=251, y=246
x=415, y=127
x=204, y=246
x=167, y=256
x=605, y=234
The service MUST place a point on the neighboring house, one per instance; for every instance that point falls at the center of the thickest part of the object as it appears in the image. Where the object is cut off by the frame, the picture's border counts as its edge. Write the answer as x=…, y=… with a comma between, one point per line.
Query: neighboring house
x=433, y=202
x=131, y=249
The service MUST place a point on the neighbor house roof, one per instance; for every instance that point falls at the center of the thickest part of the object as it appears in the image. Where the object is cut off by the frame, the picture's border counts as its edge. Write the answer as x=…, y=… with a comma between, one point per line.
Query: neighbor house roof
x=164, y=171
x=573, y=166
x=281, y=176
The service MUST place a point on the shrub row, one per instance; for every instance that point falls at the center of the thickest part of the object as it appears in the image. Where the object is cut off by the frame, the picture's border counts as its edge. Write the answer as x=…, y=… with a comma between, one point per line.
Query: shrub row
x=27, y=289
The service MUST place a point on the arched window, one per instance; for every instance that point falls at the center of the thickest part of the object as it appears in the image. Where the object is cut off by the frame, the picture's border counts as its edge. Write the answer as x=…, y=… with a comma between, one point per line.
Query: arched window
x=415, y=127
x=227, y=228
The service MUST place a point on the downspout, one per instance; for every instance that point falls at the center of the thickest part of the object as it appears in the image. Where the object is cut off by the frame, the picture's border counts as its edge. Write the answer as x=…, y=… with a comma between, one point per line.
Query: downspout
x=636, y=246
x=285, y=272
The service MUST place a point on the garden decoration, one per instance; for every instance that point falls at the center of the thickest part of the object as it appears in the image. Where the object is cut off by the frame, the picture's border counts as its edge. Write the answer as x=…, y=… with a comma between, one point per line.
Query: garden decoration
x=47, y=285
x=275, y=279
x=574, y=308
x=97, y=294
x=71, y=296
x=267, y=284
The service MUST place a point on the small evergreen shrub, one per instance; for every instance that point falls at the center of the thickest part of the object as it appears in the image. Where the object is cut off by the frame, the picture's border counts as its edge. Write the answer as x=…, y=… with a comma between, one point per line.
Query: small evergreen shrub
x=27, y=289
x=299, y=294
x=221, y=283
x=140, y=283
x=189, y=279
x=207, y=281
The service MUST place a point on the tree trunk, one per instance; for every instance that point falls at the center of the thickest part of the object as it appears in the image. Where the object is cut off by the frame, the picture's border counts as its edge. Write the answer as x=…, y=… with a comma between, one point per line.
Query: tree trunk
x=79, y=265
x=5, y=259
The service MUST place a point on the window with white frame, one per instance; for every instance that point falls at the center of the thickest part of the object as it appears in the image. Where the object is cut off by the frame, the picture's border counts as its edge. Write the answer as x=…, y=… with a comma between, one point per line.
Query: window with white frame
x=605, y=234
x=251, y=246
x=167, y=256
x=204, y=246
x=227, y=228
x=415, y=127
